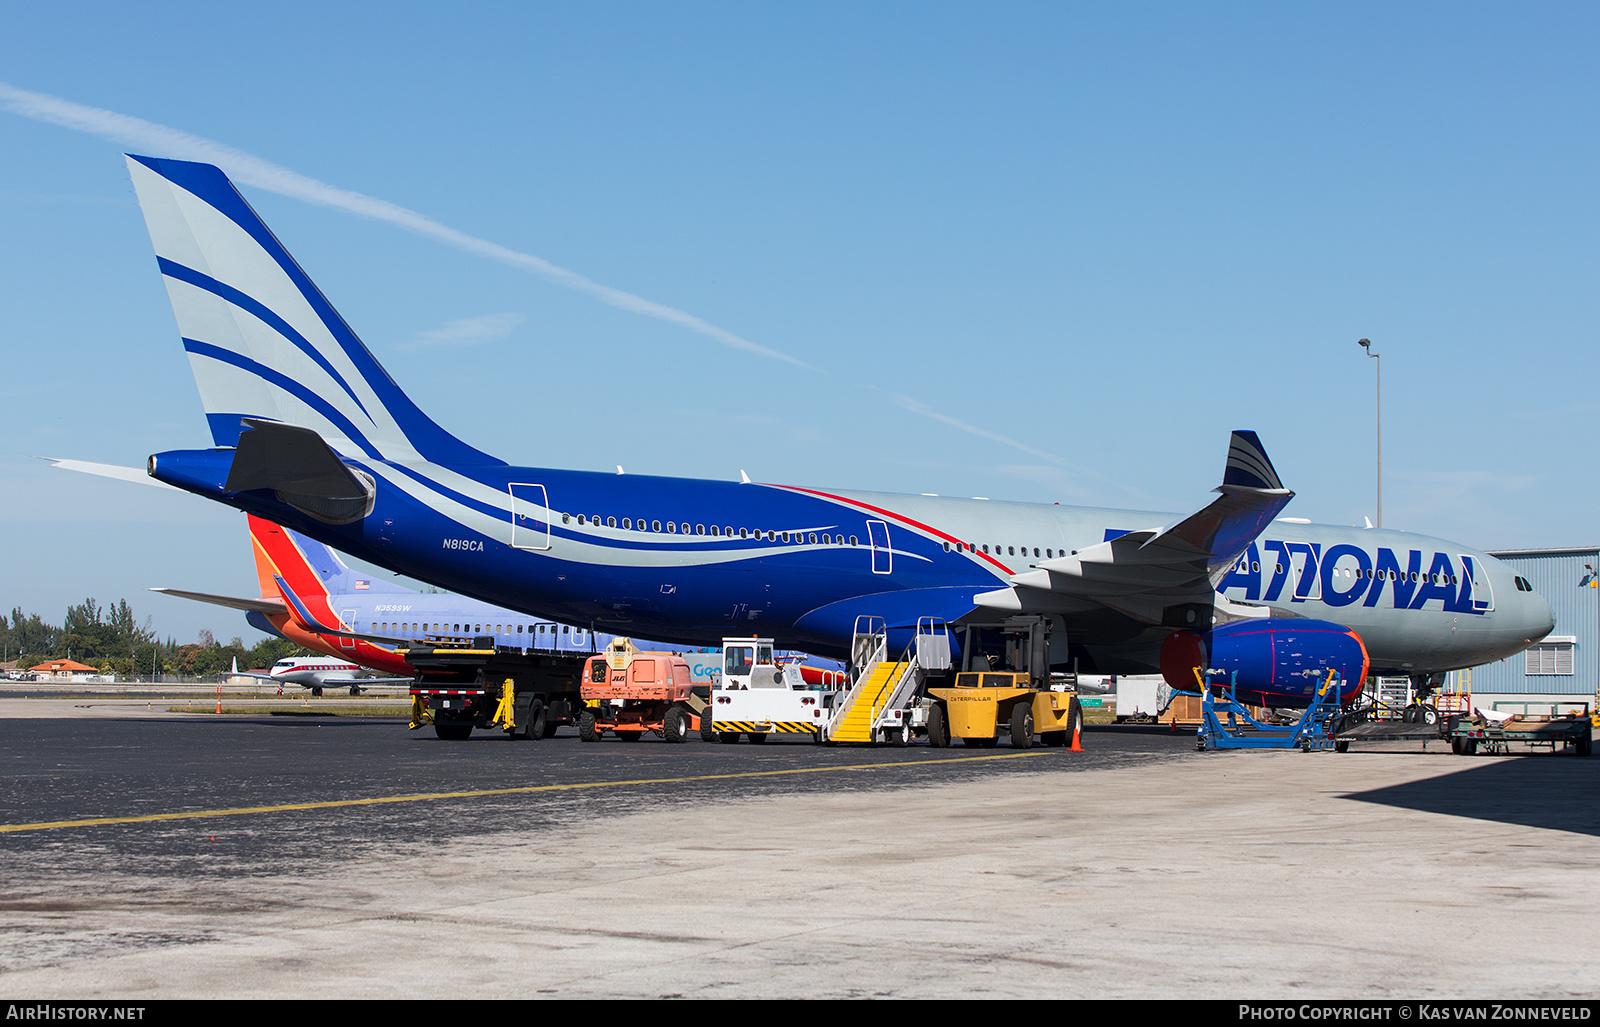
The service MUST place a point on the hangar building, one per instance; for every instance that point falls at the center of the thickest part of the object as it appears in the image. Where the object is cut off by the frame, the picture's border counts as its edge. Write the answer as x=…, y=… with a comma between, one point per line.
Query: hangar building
x=1565, y=666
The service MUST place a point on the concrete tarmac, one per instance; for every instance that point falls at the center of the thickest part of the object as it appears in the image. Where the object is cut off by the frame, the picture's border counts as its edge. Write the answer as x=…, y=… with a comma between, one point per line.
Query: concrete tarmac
x=1139, y=868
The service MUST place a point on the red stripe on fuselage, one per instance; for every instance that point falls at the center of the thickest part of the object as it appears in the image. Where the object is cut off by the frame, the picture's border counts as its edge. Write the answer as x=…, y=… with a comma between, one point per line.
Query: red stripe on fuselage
x=930, y=529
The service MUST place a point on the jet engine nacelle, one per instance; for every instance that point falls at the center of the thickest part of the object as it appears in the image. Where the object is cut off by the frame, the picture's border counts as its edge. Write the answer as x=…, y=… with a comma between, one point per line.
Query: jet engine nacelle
x=1277, y=661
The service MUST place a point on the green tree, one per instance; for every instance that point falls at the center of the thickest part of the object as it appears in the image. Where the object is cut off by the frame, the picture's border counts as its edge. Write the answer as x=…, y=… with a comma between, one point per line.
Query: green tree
x=113, y=640
x=29, y=638
x=107, y=638
x=270, y=650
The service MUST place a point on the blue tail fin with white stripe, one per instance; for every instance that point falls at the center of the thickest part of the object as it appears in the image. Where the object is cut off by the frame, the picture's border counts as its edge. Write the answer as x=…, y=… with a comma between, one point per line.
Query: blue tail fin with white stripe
x=262, y=340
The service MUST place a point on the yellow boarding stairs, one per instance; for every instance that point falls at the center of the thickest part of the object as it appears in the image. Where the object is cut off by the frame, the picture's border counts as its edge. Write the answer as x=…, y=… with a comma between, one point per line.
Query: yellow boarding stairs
x=878, y=703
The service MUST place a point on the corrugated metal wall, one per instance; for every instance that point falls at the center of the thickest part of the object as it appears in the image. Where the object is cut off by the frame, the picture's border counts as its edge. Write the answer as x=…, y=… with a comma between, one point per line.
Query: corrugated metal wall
x=1555, y=574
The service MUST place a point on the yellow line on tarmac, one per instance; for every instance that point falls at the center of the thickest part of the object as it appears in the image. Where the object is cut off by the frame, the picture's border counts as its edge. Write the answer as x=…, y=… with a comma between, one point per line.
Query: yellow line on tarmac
x=524, y=790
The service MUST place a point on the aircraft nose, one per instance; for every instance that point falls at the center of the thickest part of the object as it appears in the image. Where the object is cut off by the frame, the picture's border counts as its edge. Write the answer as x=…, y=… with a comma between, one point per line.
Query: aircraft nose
x=1540, y=619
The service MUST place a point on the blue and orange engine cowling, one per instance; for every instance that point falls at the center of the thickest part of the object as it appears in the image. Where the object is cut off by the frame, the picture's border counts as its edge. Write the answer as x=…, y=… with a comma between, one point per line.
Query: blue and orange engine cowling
x=1276, y=661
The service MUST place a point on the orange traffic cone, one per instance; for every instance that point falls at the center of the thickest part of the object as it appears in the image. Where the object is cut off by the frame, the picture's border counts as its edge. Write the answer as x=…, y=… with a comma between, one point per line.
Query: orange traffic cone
x=1077, y=730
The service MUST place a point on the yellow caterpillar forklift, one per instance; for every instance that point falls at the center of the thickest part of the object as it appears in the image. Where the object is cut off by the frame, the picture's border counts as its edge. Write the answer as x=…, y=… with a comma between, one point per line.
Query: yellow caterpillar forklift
x=1022, y=702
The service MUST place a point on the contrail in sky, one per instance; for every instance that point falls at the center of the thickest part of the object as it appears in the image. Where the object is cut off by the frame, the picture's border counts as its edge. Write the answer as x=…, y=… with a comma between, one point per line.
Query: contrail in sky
x=252, y=170
x=907, y=403
x=245, y=167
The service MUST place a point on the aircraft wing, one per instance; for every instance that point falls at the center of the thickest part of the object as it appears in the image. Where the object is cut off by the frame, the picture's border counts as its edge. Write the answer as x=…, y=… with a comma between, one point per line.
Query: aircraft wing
x=1164, y=575
x=267, y=606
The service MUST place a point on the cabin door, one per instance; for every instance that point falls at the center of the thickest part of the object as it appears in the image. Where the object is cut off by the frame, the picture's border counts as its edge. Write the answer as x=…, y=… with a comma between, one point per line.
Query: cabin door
x=530, y=516
x=882, y=555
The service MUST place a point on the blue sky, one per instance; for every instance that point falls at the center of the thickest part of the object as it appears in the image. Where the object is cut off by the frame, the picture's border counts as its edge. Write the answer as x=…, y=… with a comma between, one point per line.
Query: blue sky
x=1038, y=252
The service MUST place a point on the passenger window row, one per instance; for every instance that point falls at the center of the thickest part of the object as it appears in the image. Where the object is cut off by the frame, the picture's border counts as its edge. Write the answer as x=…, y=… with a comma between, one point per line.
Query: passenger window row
x=969, y=547
x=1369, y=573
x=787, y=537
x=714, y=531
x=476, y=629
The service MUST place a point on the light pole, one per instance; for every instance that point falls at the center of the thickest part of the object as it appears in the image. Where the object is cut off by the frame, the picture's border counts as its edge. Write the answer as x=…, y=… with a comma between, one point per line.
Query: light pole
x=1366, y=344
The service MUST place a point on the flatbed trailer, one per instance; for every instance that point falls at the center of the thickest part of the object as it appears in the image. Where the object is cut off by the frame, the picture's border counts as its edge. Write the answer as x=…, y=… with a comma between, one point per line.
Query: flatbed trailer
x=1359, y=726
x=461, y=685
x=1573, y=728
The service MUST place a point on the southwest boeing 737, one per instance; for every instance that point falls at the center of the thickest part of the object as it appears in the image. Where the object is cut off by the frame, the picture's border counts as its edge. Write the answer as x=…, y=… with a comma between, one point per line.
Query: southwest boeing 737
x=310, y=432
x=366, y=611
x=365, y=608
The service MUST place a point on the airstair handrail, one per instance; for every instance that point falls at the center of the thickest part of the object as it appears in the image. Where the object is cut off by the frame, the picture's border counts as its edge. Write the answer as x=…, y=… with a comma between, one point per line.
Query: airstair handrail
x=869, y=646
x=928, y=649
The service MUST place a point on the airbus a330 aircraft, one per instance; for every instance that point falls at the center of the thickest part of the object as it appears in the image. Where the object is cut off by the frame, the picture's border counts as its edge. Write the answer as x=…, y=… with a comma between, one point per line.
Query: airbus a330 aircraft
x=309, y=431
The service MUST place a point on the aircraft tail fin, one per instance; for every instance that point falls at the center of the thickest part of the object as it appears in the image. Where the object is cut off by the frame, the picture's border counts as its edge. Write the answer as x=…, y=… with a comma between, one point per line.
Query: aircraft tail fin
x=262, y=340
x=310, y=568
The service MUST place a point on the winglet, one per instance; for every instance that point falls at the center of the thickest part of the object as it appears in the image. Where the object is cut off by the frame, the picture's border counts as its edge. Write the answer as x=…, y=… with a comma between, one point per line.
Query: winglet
x=1248, y=465
x=307, y=621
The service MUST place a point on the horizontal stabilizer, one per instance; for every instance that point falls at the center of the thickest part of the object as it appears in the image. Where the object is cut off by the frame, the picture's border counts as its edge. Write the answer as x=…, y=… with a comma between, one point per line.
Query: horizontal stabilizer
x=266, y=606
x=302, y=470
x=137, y=475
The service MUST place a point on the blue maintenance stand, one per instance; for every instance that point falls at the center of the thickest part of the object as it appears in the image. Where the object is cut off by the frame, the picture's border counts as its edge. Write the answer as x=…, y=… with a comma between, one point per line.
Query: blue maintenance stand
x=1218, y=702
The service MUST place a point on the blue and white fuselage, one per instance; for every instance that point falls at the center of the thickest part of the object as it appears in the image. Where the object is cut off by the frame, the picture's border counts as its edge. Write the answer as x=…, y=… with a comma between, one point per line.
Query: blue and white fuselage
x=312, y=433
x=820, y=562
